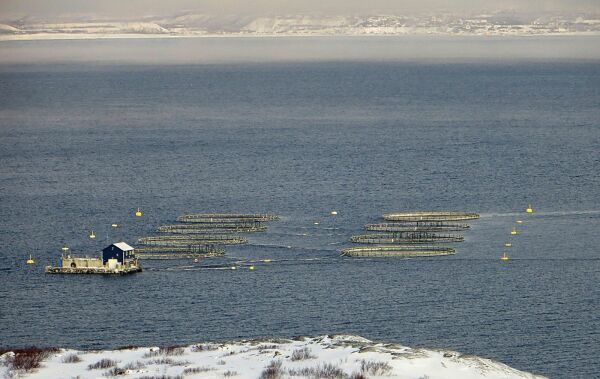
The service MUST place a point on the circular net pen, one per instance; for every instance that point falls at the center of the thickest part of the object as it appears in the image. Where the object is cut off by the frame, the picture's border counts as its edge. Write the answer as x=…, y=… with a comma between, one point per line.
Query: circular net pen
x=194, y=239
x=178, y=252
x=416, y=227
x=430, y=216
x=210, y=228
x=397, y=251
x=385, y=238
x=226, y=218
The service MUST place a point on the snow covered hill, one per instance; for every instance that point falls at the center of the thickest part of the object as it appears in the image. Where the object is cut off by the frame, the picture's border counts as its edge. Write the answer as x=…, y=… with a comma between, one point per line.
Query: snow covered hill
x=335, y=357
x=194, y=24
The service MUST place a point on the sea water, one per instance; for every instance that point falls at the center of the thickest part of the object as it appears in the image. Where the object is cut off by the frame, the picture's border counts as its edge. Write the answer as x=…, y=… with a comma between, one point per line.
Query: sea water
x=83, y=145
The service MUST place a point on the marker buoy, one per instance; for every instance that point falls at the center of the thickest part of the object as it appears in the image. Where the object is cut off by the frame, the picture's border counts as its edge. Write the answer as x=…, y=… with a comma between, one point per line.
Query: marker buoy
x=514, y=231
x=529, y=209
x=138, y=213
x=92, y=235
x=30, y=261
x=504, y=257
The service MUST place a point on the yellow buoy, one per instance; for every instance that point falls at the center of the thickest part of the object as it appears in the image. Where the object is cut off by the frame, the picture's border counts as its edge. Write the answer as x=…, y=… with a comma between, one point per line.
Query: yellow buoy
x=508, y=244
x=30, y=261
x=138, y=213
x=92, y=235
x=251, y=268
x=514, y=231
x=529, y=209
x=504, y=257
x=519, y=221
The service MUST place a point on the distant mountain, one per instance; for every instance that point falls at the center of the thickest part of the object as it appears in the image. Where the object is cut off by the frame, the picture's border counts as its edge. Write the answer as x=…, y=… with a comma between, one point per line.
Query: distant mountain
x=190, y=24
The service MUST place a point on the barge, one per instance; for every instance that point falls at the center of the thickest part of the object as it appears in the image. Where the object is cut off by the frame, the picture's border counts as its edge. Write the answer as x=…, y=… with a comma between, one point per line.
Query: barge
x=117, y=259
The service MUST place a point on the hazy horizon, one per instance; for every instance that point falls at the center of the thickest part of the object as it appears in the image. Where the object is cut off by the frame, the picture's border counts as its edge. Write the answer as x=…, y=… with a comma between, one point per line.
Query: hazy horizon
x=145, y=8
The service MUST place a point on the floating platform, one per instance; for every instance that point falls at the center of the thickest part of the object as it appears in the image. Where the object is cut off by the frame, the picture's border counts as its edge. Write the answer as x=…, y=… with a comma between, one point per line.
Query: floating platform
x=402, y=237
x=226, y=218
x=398, y=251
x=430, y=216
x=193, y=240
x=416, y=227
x=92, y=270
x=205, y=228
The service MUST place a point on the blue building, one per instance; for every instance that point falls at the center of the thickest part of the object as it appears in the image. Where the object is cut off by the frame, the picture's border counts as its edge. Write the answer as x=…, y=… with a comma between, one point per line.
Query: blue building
x=120, y=251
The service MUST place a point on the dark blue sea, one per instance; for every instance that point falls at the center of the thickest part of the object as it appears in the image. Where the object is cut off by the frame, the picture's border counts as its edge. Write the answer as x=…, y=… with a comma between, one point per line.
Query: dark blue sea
x=83, y=145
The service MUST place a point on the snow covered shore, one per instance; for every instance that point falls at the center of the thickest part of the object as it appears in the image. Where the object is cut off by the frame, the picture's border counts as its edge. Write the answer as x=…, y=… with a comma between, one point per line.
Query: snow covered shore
x=340, y=356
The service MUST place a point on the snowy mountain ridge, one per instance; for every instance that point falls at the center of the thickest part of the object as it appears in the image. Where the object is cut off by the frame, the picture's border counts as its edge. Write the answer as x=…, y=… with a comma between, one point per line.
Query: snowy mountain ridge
x=192, y=24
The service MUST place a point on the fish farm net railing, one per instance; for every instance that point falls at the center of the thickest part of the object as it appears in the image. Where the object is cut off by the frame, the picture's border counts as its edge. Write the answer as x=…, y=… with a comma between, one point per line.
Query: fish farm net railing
x=430, y=216
x=222, y=218
x=209, y=228
x=405, y=238
x=195, y=249
x=398, y=251
x=416, y=227
x=196, y=239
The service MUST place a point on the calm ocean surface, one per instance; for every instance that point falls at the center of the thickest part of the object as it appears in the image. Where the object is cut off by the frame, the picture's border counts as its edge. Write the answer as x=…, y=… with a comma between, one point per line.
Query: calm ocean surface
x=83, y=145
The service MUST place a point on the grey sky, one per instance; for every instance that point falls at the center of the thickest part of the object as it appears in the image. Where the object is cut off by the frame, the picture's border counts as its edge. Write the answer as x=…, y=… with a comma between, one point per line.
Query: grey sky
x=137, y=8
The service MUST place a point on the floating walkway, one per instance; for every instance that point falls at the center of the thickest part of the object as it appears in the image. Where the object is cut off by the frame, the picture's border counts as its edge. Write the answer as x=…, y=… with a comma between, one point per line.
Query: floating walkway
x=416, y=227
x=226, y=218
x=398, y=251
x=206, y=228
x=193, y=239
x=430, y=216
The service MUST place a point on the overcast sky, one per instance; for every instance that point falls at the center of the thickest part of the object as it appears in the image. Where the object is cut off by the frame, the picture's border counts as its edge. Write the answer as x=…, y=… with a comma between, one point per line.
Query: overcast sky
x=136, y=8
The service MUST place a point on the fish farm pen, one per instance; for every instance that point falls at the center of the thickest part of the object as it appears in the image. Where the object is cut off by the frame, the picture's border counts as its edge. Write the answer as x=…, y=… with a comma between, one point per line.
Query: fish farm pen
x=398, y=251
x=211, y=228
x=179, y=252
x=226, y=218
x=416, y=227
x=194, y=239
x=406, y=238
x=430, y=216
x=198, y=235
x=410, y=230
